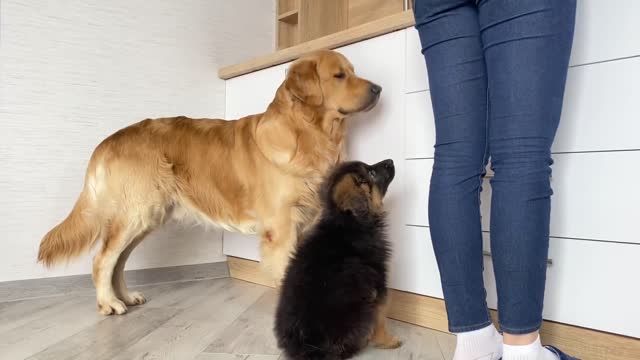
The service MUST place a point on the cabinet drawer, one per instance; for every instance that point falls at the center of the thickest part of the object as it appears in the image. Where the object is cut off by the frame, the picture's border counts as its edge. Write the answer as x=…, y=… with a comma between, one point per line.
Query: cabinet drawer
x=418, y=177
x=600, y=112
x=414, y=267
x=416, y=78
x=589, y=283
x=420, y=131
x=605, y=30
x=595, y=196
x=601, y=108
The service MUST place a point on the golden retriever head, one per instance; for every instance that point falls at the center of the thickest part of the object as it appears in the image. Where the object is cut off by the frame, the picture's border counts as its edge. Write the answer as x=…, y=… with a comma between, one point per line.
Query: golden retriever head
x=358, y=188
x=326, y=79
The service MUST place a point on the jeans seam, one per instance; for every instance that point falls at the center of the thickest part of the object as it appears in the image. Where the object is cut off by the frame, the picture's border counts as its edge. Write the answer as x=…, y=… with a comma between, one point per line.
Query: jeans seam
x=458, y=329
x=519, y=331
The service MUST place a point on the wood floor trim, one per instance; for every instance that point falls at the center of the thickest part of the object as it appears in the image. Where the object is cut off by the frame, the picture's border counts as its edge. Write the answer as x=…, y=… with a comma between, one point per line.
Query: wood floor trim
x=425, y=311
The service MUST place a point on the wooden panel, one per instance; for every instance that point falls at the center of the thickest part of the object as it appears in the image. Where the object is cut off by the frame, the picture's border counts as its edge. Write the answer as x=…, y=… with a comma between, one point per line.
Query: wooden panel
x=288, y=34
x=345, y=37
x=430, y=312
x=287, y=5
x=249, y=270
x=363, y=11
x=322, y=17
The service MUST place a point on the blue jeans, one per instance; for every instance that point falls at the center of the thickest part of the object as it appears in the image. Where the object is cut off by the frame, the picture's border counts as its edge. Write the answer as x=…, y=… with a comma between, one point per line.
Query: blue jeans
x=497, y=72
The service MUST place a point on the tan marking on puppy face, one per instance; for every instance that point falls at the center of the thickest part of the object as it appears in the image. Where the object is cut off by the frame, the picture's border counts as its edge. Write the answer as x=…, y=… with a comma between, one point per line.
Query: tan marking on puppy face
x=357, y=193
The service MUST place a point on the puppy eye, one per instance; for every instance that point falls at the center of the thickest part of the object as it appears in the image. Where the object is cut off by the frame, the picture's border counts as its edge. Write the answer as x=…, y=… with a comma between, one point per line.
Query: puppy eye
x=339, y=75
x=372, y=173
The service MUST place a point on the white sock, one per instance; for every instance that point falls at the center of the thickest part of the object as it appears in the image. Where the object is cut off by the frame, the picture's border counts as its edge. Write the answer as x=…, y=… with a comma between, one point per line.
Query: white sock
x=481, y=344
x=533, y=351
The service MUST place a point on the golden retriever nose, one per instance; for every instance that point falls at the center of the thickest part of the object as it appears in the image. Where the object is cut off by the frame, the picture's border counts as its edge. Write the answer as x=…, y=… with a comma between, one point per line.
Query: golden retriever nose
x=376, y=89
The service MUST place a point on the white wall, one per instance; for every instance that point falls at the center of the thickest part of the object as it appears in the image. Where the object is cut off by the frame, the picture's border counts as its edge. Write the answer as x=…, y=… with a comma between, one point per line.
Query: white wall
x=74, y=71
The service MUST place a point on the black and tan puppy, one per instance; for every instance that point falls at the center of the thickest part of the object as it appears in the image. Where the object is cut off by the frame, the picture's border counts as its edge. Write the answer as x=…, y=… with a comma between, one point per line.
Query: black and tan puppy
x=334, y=294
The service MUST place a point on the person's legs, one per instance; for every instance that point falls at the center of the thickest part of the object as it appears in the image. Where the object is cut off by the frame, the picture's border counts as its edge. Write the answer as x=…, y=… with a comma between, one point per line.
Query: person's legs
x=527, y=44
x=450, y=38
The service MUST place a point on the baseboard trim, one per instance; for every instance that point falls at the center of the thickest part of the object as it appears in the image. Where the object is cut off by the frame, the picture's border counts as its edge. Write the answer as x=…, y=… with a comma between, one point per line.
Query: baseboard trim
x=430, y=312
x=81, y=284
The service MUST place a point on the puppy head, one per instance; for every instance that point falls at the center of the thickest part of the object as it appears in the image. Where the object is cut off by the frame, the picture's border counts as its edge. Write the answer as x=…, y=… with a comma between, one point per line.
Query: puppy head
x=326, y=79
x=358, y=188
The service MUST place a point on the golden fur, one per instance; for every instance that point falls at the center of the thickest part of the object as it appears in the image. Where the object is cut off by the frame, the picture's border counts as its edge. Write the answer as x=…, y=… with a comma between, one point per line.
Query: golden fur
x=258, y=174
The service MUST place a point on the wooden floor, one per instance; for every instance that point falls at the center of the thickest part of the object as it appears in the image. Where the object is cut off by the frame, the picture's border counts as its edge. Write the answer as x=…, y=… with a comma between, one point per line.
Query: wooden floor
x=221, y=319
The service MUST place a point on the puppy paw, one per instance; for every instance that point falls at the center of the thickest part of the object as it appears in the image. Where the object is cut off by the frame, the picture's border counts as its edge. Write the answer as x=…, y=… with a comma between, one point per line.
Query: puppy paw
x=389, y=342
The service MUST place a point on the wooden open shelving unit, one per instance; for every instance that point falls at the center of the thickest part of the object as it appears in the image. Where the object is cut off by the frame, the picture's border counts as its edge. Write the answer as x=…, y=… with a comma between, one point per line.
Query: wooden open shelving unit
x=299, y=21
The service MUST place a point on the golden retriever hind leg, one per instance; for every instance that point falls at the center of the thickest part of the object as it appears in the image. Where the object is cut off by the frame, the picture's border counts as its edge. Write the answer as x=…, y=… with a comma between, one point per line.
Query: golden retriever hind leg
x=380, y=337
x=119, y=236
x=130, y=298
x=277, y=243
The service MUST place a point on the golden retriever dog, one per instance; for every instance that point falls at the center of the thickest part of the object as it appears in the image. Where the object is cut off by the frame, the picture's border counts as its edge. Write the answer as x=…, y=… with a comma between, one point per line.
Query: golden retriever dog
x=258, y=174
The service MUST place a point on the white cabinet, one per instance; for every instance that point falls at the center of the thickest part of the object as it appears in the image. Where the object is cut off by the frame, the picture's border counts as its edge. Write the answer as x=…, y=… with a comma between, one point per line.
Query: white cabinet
x=594, y=239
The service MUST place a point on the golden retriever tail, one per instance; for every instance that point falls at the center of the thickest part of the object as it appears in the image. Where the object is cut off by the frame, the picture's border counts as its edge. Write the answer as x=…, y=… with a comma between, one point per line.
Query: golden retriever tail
x=77, y=233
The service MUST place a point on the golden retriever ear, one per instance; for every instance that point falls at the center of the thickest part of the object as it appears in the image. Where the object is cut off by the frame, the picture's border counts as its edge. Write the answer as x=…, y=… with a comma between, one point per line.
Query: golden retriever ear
x=304, y=83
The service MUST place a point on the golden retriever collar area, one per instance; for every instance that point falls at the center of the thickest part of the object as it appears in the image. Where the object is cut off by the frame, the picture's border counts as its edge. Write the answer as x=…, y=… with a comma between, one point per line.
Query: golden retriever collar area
x=259, y=174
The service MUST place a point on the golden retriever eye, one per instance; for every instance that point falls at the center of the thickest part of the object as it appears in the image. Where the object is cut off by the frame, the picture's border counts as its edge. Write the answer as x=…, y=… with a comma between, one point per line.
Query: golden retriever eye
x=339, y=75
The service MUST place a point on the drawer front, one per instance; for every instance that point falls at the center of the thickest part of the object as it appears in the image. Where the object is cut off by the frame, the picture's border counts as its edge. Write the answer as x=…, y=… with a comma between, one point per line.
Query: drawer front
x=416, y=78
x=605, y=30
x=590, y=284
x=595, y=195
x=601, y=109
x=601, y=112
x=414, y=267
x=417, y=191
x=241, y=245
x=420, y=131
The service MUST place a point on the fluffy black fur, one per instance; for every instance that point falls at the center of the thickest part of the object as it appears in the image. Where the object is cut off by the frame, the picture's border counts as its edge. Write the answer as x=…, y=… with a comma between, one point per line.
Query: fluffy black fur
x=336, y=280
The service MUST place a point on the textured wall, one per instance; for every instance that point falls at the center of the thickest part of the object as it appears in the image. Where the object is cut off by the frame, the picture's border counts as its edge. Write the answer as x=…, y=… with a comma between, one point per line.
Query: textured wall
x=74, y=71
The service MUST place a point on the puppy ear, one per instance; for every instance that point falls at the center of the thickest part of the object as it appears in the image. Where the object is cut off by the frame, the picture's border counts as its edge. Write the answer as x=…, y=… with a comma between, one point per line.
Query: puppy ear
x=303, y=82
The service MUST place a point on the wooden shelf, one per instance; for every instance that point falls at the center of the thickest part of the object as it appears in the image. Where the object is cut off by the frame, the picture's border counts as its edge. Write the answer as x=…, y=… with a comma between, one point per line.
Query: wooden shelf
x=351, y=35
x=289, y=17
